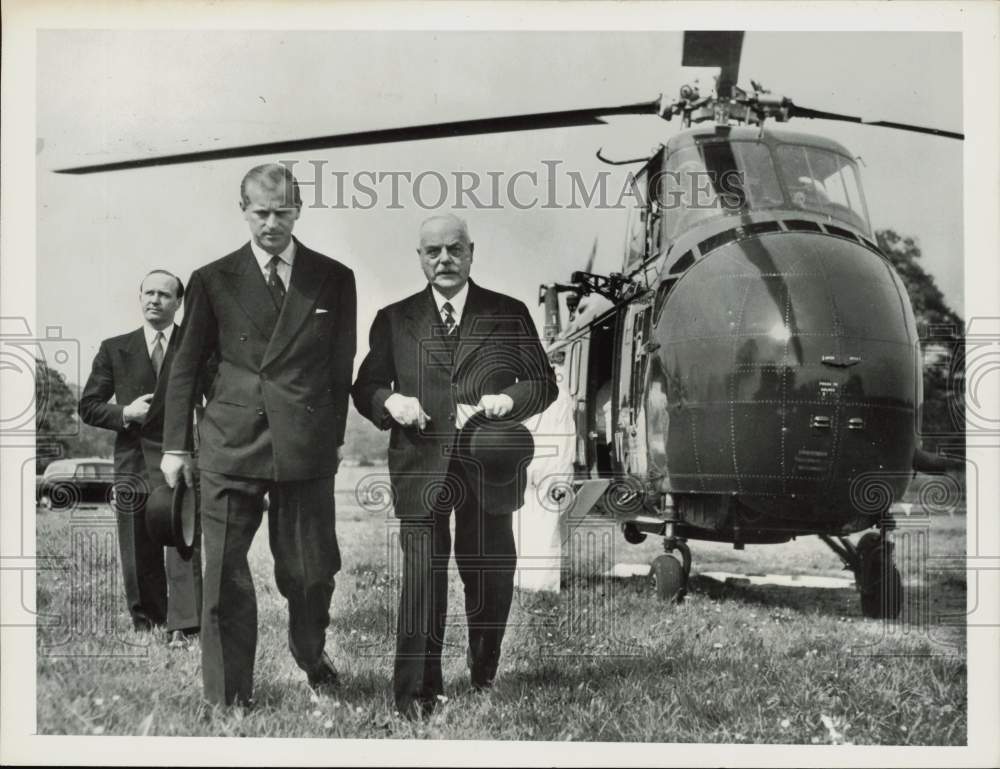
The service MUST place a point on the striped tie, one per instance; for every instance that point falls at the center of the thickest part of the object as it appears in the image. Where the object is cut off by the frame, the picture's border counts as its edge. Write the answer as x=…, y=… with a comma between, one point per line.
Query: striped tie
x=449, y=318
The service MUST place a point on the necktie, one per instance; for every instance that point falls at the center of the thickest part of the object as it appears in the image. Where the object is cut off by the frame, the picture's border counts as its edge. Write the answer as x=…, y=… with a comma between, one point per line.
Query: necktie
x=157, y=355
x=274, y=284
x=449, y=318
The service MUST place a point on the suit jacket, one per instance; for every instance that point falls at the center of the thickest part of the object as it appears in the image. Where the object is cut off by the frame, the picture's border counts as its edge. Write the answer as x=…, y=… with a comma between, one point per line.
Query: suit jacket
x=498, y=352
x=278, y=406
x=122, y=368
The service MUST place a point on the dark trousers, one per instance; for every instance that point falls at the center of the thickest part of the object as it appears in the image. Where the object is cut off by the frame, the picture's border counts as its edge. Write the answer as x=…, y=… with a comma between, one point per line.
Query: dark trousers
x=486, y=557
x=160, y=587
x=302, y=535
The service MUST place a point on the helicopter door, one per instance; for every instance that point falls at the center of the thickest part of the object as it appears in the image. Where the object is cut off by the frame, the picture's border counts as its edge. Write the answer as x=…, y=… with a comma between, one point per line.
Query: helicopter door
x=597, y=360
x=630, y=419
x=576, y=369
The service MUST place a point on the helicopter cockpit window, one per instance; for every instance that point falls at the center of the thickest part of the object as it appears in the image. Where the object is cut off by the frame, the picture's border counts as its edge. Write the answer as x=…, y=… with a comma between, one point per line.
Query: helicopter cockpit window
x=716, y=178
x=824, y=182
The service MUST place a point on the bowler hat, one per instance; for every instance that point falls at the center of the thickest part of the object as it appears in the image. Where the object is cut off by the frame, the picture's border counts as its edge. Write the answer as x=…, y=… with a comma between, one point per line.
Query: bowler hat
x=170, y=517
x=500, y=448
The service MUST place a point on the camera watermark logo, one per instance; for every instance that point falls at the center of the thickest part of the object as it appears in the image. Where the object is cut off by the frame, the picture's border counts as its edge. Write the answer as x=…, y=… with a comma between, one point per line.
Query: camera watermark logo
x=29, y=379
x=84, y=594
x=897, y=563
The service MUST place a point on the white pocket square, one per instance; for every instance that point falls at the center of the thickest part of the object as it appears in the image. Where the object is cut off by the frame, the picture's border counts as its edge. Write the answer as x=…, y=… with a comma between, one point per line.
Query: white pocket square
x=321, y=311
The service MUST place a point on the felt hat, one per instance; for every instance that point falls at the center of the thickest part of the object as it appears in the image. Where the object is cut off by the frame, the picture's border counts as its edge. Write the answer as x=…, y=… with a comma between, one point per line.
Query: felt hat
x=499, y=448
x=170, y=517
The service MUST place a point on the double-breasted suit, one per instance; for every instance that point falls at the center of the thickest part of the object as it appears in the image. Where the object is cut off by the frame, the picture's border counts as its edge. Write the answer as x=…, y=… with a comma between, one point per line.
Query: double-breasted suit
x=496, y=351
x=160, y=587
x=273, y=425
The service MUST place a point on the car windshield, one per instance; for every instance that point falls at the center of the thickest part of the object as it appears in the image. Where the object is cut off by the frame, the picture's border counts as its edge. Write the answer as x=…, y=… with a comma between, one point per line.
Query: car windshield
x=823, y=182
x=716, y=178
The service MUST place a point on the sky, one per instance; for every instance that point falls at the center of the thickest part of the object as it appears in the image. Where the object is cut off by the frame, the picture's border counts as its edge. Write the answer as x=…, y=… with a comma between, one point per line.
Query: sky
x=109, y=95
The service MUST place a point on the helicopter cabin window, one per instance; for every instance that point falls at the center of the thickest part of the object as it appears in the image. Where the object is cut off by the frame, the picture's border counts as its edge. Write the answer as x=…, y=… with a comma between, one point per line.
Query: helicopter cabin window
x=824, y=182
x=635, y=246
x=716, y=178
x=574, y=368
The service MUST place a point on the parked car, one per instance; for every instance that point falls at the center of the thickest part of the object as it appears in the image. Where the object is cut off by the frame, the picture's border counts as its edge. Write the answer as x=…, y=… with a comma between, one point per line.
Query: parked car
x=69, y=482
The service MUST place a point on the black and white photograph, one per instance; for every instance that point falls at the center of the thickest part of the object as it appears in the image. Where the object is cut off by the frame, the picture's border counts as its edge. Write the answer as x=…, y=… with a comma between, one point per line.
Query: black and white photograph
x=496, y=383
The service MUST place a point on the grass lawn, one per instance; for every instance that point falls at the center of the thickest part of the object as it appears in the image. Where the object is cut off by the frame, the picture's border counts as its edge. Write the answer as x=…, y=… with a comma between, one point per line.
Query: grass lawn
x=604, y=660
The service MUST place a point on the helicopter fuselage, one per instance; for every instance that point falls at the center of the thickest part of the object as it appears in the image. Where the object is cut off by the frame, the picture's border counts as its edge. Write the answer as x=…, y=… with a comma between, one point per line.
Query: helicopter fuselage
x=760, y=376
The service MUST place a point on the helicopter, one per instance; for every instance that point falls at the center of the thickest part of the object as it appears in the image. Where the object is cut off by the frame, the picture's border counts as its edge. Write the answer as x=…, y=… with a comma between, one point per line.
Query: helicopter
x=752, y=372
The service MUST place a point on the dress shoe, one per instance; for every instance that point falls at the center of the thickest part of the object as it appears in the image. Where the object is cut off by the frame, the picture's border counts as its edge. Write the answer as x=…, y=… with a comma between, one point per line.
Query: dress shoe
x=324, y=676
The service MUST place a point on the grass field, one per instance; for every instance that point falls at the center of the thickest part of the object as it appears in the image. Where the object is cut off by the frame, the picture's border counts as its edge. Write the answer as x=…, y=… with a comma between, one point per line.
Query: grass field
x=605, y=660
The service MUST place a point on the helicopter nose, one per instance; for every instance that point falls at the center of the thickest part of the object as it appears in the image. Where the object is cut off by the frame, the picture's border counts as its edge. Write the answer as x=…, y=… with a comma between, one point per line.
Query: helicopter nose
x=794, y=301
x=769, y=347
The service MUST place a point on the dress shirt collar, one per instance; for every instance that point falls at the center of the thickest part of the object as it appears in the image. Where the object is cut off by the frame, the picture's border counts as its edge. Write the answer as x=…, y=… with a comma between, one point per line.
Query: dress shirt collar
x=457, y=302
x=150, y=334
x=263, y=257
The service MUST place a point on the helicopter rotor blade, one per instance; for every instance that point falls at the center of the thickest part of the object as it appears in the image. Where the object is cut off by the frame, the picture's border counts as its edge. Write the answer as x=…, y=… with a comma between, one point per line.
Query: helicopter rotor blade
x=715, y=49
x=503, y=124
x=794, y=110
x=589, y=267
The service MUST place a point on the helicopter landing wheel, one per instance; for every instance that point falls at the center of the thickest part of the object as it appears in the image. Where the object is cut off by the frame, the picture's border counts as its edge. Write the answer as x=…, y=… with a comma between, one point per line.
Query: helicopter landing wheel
x=880, y=582
x=667, y=578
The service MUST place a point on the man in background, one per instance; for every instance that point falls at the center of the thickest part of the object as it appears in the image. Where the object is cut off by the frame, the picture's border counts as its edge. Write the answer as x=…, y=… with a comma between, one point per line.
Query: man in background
x=161, y=588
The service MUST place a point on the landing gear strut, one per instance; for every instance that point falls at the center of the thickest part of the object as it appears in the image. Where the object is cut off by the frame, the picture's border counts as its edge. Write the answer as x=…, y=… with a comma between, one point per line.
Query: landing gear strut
x=875, y=573
x=667, y=575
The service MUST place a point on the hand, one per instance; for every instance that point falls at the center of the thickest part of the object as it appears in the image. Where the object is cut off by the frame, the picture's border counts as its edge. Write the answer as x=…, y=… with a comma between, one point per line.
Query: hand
x=406, y=411
x=463, y=413
x=136, y=411
x=496, y=406
x=174, y=464
x=340, y=457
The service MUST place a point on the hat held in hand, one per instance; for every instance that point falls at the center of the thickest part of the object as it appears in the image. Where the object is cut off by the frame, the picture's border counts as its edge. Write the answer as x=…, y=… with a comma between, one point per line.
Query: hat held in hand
x=501, y=448
x=170, y=517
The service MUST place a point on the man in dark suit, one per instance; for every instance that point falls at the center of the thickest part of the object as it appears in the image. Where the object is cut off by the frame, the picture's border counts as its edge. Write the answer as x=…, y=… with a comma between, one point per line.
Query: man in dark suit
x=281, y=319
x=161, y=588
x=453, y=344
